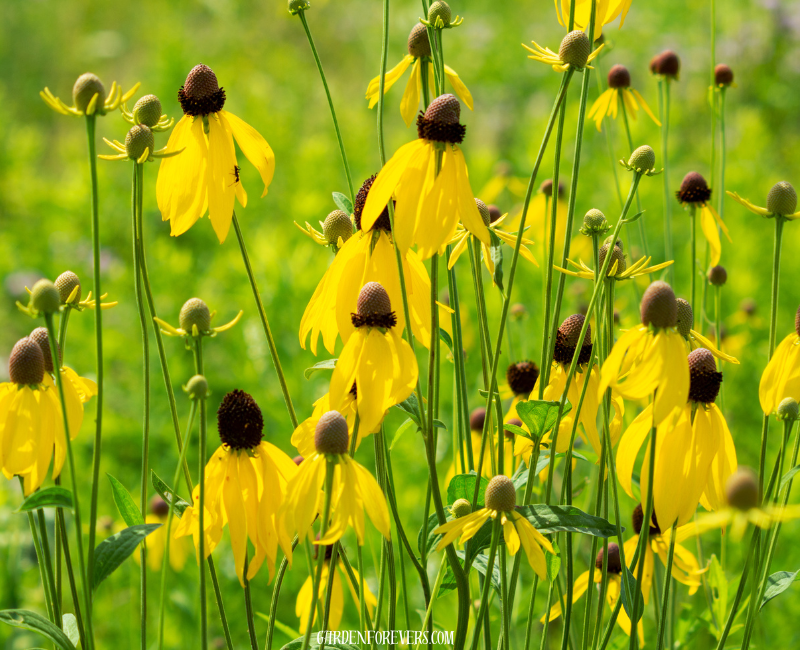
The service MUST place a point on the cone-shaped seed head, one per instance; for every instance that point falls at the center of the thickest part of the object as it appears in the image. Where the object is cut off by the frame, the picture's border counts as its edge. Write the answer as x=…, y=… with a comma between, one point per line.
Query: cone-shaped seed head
x=195, y=312
x=614, y=563
x=201, y=82
x=41, y=337
x=337, y=224
x=26, y=362
x=139, y=138
x=571, y=330
x=741, y=490
x=461, y=508
x=66, y=283
x=87, y=86
x=239, y=421
x=522, y=376
x=667, y=63
x=147, y=111
x=45, y=297
x=643, y=158
x=484, y=211
x=373, y=300
x=494, y=213
x=501, y=494
x=685, y=317
x=477, y=418
x=440, y=9
x=638, y=520
x=546, y=187
x=575, y=49
x=723, y=75
x=444, y=109
x=704, y=381
x=788, y=409
x=159, y=507
x=331, y=436
x=717, y=275
x=382, y=222
x=594, y=219
x=619, y=77
x=782, y=199
x=616, y=255
x=659, y=307
x=694, y=189
x=418, y=43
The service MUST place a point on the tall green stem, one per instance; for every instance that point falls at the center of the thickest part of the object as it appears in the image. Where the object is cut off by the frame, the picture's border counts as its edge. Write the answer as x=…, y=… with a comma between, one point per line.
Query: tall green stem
x=642, y=228
x=198, y=368
x=496, y=528
x=693, y=264
x=663, y=106
x=302, y=15
x=665, y=598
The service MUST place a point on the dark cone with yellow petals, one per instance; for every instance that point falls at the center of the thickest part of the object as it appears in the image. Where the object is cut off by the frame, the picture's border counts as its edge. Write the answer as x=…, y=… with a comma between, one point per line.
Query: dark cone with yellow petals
x=501, y=494
x=616, y=256
x=239, y=421
x=331, y=435
x=659, y=307
x=614, y=562
x=638, y=520
x=439, y=123
x=26, y=363
x=705, y=381
x=522, y=376
x=418, y=43
x=382, y=222
x=619, y=77
x=201, y=94
x=567, y=341
x=723, y=75
x=694, y=189
x=374, y=308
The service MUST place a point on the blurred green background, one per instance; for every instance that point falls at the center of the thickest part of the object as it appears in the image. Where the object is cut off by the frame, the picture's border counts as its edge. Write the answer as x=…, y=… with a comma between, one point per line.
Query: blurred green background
x=263, y=61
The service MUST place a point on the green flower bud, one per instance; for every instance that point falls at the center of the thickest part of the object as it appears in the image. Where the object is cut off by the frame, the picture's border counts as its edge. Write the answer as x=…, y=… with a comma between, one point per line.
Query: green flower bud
x=782, y=199
x=66, y=283
x=139, y=138
x=195, y=312
x=87, y=86
x=461, y=508
x=440, y=9
x=788, y=410
x=147, y=111
x=644, y=159
x=575, y=49
x=197, y=387
x=45, y=297
x=337, y=224
x=296, y=6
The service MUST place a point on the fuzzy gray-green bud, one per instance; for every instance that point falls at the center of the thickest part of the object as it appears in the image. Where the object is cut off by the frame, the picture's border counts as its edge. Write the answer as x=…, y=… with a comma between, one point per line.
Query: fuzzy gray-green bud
x=139, y=138
x=782, y=199
x=296, y=6
x=45, y=297
x=87, y=86
x=147, y=111
x=197, y=387
x=643, y=159
x=788, y=410
x=440, y=9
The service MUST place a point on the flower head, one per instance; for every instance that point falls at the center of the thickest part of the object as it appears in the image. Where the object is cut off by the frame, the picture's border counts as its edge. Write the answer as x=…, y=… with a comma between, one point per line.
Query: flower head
x=723, y=75
x=139, y=146
x=781, y=377
x=69, y=290
x=147, y=111
x=206, y=176
x=642, y=161
x=575, y=51
x=618, y=268
x=781, y=201
x=666, y=65
x=694, y=191
x=195, y=321
x=89, y=97
x=619, y=82
x=245, y=485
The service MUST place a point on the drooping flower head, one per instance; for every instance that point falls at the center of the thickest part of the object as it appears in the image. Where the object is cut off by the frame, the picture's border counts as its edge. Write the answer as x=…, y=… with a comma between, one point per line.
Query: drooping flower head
x=694, y=191
x=419, y=55
x=429, y=180
x=245, y=484
x=375, y=358
x=619, y=89
x=354, y=489
x=781, y=377
x=205, y=177
x=723, y=75
x=501, y=500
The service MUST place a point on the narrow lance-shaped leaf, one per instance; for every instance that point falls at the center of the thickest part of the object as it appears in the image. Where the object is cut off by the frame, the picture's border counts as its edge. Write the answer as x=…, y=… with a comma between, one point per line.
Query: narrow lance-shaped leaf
x=52, y=497
x=113, y=551
x=27, y=620
x=777, y=583
x=166, y=493
x=125, y=504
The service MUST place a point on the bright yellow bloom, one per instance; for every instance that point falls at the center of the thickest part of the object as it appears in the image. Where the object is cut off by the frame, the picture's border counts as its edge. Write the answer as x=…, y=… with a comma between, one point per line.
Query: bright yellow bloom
x=606, y=11
x=303, y=435
x=368, y=256
x=694, y=191
x=354, y=489
x=619, y=89
x=650, y=357
x=694, y=339
x=428, y=205
x=419, y=53
x=246, y=481
x=517, y=530
x=88, y=97
x=305, y=597
x=575, y=52
x=157, y=540
x=781, y=378
x=205, y=177
x=613, y=588
x=376, y=359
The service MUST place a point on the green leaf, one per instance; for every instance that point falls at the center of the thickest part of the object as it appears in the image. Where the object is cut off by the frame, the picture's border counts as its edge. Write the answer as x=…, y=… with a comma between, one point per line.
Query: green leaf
x=27, y=620
x=125, y=504
x=343, y=203
x=718, y=585
x=70, y=626
x=553, y=563
x=52, y=497
x=445, y=337
x=400, y=431
x=411, y=406
x=788, y=477
x=462, y=486
x=517, y=431
x=496, y=255
x=327, y=364
x=554, y=519
x=166, y=493
x=777, y=583
x=427, y=532
x=113, y=551
x=628, y=603
x=540, y=416
x=635, y=217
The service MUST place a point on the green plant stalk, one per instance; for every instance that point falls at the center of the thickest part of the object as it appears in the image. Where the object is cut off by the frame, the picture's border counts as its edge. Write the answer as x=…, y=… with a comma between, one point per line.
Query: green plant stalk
x=486, y=583
x=48, y=567
x=276, y=593
x=170, y=514
x=91, y=123
x=663, y=110
x=302, y=15
x=711, y=90
x=51, y=333
x=198, y=368
x=739, y=591
x=273, y=350
x=693, y=229
x=248, y=607
x=326, y=511
x=76, y=601
x=642, y=229
x=436, y=585
x=723, y=153
x=136, y=200
x=387, y=551
x=665, y=598
x=718, y=329
x=43, y=572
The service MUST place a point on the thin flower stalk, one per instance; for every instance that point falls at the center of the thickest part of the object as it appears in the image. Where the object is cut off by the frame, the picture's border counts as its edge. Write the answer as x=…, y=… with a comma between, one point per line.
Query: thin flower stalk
x=642, y=228
x=44, y=571
x=664, y=86
x=198, y=369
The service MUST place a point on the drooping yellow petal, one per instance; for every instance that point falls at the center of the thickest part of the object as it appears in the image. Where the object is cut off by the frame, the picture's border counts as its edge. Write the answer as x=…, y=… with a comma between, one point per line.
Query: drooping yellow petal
x=461, y=90
x=373, y=90
x=373, y=499
x=629, y=447
x=221, y=163
x=467, y=209
x=578, y=589
x=645, y=107
x=709, y=227
x=410, y=102
x=253, y=146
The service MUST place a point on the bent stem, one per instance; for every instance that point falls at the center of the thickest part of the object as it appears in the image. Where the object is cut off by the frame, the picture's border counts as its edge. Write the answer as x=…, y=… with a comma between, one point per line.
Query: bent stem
x=642, y=229
x=273, y=350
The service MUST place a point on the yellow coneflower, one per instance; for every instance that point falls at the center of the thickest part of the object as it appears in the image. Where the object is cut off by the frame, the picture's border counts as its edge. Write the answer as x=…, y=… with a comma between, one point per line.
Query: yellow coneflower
x=694, y=339
x=619, y=89
x=205, y=177
x=575, y=51
x=419, y=55
x=69, y=290
x=245, y=484
x=695, y=192
x=303, y=435
x=367, y=256
x=501, y=500
x=613, y=589
x=305, y=598
x=606, y=11
x=742, y=508
x=375, y=358
x=336, y=230
x=650, y=357
x=89, y=97
x=428, y=205
x=619, y=269
x=354, y=489
x=194, y=321
x=781, y=202
x=694, y=455
x=781, y=378
x=463, y=238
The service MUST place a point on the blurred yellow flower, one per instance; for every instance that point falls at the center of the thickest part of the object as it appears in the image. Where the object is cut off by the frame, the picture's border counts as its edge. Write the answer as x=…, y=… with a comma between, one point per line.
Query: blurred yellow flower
x=619, y=88
x=781, y=378
x=694, y=191
x=606, y=11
